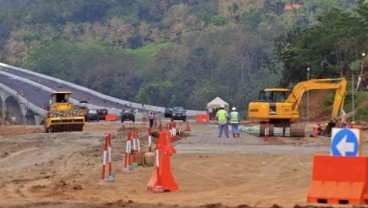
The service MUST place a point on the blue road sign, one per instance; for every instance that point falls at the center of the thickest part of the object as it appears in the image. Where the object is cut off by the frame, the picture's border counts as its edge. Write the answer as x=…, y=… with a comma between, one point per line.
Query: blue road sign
x=345, y=142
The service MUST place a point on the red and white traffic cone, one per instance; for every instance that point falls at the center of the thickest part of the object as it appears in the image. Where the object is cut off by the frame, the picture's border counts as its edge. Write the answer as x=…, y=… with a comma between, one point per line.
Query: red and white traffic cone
x=110, y=177
x=149, y=140
x=174, y=137
x=128, y=151
x=136, y=149
x=138, y=142
x=107, y=155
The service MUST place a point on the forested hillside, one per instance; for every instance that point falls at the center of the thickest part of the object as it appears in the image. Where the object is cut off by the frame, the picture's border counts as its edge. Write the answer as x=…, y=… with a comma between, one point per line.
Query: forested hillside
x=184, y=52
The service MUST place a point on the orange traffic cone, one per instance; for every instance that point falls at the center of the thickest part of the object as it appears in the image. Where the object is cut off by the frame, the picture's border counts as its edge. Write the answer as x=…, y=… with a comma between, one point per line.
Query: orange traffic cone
x=187, y=126
x=162, y=179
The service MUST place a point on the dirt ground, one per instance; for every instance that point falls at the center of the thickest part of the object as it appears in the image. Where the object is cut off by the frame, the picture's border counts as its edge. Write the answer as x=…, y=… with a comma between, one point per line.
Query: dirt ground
x=64, y=169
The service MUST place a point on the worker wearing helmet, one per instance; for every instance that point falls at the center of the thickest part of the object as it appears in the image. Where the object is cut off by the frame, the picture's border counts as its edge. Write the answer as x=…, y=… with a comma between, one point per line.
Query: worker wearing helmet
x=222, y=117
x=234, y=121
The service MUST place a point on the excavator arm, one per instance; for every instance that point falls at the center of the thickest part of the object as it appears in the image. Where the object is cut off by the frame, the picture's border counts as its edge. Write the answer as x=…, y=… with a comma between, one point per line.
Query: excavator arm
x=319, y=84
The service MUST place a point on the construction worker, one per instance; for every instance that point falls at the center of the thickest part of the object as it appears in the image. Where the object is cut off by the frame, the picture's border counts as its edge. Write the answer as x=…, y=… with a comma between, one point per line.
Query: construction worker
x=234, y=121
x=222, y=117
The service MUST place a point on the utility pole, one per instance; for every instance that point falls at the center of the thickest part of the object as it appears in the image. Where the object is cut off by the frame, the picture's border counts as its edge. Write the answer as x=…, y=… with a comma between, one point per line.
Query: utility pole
x=352, y=95
x=308, y=69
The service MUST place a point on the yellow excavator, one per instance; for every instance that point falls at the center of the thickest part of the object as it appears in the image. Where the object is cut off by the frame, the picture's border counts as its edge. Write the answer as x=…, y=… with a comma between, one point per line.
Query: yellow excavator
x=62, y=115
x=279, y=107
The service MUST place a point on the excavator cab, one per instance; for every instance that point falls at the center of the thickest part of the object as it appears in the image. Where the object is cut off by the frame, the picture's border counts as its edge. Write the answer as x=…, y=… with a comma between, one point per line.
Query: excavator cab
x=271, y=104
x=274, y=95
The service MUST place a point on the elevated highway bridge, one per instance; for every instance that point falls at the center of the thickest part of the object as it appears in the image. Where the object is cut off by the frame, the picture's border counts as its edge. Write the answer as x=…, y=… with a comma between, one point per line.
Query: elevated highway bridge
x=24, y=94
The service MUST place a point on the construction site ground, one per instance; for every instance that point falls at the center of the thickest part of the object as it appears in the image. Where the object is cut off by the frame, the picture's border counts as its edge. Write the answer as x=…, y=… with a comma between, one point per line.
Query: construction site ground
x=64, y=169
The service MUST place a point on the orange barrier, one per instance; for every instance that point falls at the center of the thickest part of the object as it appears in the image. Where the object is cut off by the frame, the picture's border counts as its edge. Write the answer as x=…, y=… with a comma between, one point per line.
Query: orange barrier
x=202, y=118
x=339, y=180
x=111, y=117
x=162, y=179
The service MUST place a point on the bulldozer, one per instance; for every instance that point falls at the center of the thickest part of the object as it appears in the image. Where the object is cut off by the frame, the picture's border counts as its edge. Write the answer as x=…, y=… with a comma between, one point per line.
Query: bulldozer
x=279, y=107
x=62, y=115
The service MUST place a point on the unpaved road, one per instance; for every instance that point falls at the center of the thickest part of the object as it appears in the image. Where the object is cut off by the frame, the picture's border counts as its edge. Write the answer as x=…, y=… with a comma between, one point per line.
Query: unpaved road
x=64, y=169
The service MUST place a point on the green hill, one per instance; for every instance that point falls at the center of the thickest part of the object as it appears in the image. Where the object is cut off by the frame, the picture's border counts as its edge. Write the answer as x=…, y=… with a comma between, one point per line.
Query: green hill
x=176, y=52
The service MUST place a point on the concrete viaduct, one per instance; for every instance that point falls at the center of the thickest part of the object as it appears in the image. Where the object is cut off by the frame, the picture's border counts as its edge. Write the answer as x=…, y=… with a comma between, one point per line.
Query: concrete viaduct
x=24, y=93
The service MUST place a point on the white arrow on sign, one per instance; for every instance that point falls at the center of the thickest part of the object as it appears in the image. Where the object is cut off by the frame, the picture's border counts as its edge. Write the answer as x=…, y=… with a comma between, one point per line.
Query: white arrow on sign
x=344, y=146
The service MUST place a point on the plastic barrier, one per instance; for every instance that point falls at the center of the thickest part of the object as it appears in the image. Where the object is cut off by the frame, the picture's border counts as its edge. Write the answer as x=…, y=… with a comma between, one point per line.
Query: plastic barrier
x=162, y=179
x=202, y=118
x=111, y=117
x=339, y=180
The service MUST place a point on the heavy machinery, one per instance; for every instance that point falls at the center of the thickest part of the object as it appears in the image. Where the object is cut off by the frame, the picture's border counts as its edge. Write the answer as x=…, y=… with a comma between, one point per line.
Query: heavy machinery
x=62, y=115
x=279, y=107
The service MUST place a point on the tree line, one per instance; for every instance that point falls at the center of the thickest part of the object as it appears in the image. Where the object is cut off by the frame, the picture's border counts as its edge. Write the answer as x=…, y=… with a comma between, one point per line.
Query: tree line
x=183, y=52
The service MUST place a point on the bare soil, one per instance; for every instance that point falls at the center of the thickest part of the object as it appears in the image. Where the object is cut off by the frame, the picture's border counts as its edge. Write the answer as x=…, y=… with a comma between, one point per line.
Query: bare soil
x=64, y=169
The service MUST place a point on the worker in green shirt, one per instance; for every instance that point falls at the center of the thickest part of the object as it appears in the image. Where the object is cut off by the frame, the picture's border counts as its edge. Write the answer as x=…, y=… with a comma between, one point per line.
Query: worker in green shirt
x=222, y=117
x=234, y=122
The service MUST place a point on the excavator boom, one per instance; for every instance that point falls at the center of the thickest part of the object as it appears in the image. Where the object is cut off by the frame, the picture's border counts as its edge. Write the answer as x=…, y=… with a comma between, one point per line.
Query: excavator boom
x=320, y=84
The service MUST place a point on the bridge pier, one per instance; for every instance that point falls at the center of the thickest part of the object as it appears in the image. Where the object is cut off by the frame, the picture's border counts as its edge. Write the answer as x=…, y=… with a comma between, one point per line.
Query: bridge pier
x=16, y=110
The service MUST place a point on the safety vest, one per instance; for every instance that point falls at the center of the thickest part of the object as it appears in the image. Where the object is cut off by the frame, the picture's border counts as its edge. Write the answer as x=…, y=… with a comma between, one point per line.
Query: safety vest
x=234, y=117
x=221, y=115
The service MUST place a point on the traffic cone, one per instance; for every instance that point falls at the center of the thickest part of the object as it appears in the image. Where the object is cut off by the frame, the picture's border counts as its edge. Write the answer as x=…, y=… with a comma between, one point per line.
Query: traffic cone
x=136, y=149
x=107, y=157
x=187, y=126
x=128, y=155
x=149, y=140
x=174, y=137
x=168, y=145
x=162, y=179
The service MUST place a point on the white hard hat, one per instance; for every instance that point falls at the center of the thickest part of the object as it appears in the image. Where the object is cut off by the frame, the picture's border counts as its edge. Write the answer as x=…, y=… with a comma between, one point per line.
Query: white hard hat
x=233, y=108
x=222, y=106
